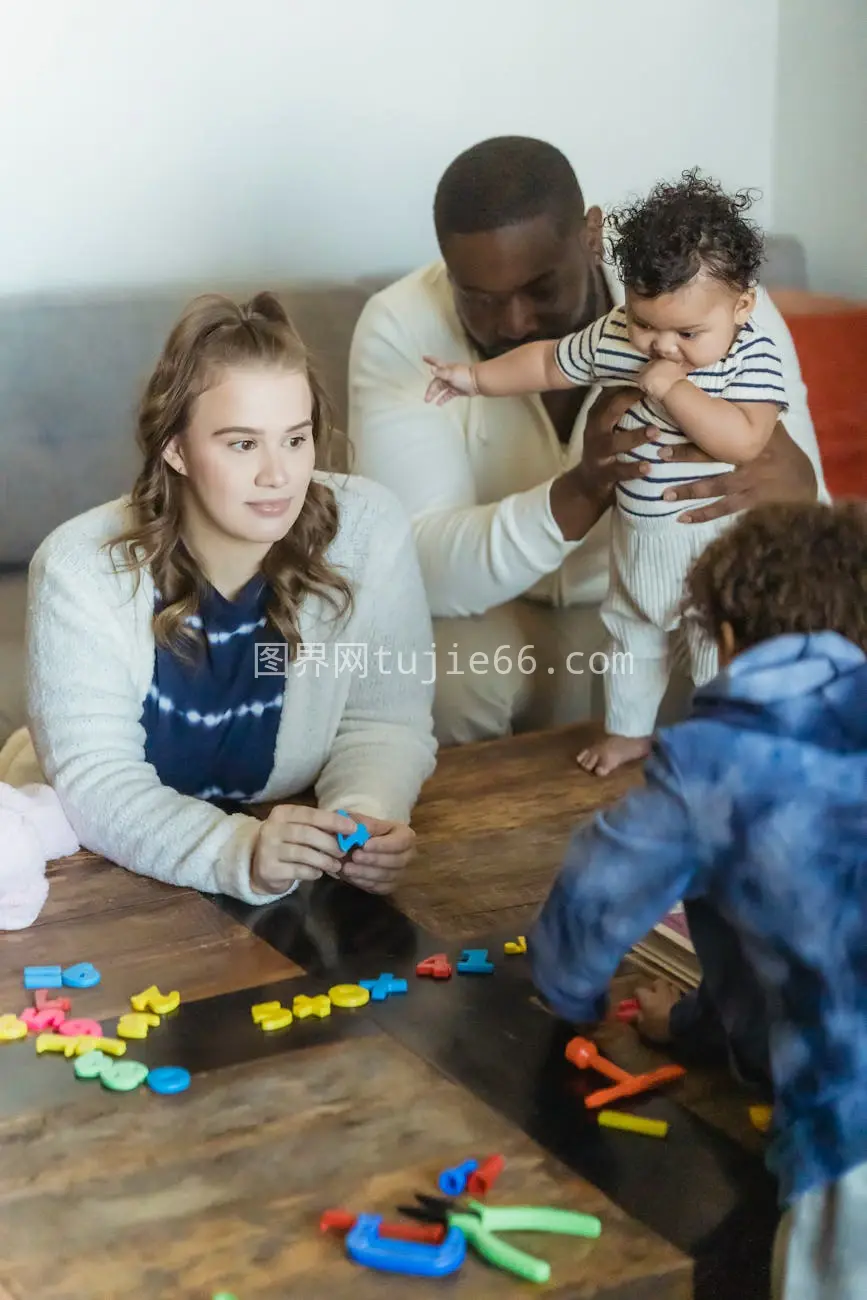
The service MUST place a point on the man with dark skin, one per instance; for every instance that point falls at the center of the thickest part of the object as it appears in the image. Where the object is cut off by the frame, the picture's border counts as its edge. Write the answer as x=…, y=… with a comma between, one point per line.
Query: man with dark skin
x=509, y=497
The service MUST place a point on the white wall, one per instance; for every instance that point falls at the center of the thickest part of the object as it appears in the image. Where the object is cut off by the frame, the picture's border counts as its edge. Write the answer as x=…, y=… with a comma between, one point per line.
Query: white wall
x=821, y=146
x=276, y=138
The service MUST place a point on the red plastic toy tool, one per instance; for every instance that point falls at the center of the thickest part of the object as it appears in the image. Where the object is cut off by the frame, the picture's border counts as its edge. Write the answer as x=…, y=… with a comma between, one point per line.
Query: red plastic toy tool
x=430, y=1234
x=585, y=1055
x=438, y=967
x=482, y=1179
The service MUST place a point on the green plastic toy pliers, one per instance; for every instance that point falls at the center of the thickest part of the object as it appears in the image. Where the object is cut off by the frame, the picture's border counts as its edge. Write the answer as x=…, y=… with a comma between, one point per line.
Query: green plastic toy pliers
x=480, y=1224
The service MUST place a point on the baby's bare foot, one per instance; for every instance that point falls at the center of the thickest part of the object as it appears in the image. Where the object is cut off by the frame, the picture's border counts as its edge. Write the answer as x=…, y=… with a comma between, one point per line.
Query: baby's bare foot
x=612, y=752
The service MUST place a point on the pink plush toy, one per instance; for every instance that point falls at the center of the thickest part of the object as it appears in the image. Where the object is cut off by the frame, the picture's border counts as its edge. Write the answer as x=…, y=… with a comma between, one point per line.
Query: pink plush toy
x=33, y=831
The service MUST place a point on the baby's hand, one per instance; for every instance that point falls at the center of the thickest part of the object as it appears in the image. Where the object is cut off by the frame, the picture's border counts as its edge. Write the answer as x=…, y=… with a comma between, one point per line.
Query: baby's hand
x=659, y=376
x=449, y=381
x=654, y=1010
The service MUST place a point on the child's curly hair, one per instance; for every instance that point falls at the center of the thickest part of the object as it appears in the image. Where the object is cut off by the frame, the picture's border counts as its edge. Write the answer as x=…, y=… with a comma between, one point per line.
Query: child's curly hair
x=785, y=568
x=661, y=242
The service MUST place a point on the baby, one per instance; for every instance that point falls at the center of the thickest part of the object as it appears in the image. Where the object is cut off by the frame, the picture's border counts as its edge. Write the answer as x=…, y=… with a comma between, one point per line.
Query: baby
x=689, y=261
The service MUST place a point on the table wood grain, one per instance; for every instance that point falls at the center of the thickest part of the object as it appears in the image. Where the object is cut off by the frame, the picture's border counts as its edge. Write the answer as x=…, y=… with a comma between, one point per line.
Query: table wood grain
x=493, y=823
x=137, y=932
x=221, y=1188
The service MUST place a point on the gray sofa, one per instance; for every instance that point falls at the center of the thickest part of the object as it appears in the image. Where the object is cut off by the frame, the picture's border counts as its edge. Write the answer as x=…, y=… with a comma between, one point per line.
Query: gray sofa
x=71, y=370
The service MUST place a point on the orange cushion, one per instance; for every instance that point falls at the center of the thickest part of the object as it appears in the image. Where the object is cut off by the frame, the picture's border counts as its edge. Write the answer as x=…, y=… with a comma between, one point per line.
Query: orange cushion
x=830, y=335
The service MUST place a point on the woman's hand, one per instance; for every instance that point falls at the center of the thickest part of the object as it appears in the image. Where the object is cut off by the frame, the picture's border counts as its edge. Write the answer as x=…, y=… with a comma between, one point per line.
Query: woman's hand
x=377, y=866
x=297, y=843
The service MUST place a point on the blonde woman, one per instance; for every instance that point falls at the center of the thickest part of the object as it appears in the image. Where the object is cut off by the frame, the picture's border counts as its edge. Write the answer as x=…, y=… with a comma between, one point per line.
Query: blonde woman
x=240, y=628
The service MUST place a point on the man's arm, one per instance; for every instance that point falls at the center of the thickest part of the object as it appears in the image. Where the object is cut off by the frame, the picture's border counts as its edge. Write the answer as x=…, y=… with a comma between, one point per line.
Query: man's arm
x=473, y=556
x=623, y=872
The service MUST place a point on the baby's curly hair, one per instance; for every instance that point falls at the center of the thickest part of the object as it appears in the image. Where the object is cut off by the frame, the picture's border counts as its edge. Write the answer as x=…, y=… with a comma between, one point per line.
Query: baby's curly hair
x=785, y=568
x=661, y=242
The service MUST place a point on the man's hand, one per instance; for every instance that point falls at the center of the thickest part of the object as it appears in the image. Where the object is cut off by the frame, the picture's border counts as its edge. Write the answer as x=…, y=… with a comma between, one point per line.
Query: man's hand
x=659, y=376
x=296, y=843
x=582, y=495
x=782, y=472
x=450, y=380
x=377, y=866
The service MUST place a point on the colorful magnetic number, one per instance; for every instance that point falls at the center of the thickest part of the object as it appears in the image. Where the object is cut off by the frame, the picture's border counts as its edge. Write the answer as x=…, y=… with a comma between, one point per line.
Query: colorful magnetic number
x=438, y=967
x=118, y=1076
x=158, y=1003
x=136, y=1024
x=37, y=1021
x=11, y=1028
x=359, y=836
x=271, y=1015
x=82, y=976
x=348, y=995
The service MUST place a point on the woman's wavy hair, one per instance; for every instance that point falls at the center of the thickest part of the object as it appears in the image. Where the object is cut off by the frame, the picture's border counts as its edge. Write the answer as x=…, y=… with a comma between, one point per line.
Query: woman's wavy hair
x=212, y=335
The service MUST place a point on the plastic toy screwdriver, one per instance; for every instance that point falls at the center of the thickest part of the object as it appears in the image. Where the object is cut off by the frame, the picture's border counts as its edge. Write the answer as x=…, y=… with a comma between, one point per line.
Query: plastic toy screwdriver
x=584, y=1054
x=480, y=1224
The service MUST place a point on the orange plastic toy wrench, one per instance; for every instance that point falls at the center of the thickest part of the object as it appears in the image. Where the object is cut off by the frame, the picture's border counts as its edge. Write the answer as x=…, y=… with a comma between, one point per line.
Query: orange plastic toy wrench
x=585, y=1055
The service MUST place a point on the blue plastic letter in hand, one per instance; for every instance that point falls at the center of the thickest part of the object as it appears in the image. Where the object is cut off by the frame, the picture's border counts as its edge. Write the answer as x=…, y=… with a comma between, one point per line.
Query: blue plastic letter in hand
x=389, y=1255
x=357, y=839
x=475, y=962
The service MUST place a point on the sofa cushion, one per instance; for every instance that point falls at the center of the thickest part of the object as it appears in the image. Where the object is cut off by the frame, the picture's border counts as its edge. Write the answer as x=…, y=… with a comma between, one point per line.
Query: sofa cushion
x=13, y=601
x=71, y=371
x=830, y=335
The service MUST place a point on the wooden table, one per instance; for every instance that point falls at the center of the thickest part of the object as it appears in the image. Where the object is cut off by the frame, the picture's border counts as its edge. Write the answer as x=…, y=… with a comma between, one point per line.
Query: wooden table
x=105, y=1195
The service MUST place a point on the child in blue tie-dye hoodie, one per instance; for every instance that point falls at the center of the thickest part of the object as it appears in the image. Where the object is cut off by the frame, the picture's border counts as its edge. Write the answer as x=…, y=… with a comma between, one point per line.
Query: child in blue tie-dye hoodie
x=754, y=812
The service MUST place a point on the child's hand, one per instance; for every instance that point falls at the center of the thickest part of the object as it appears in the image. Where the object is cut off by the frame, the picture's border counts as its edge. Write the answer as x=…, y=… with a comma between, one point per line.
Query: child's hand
x=450, y=381
x=659, y=376
x=654, y=1016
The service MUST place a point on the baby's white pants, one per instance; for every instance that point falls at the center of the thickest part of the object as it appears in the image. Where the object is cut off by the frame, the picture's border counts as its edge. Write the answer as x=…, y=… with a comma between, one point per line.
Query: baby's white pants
x=650, y=558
